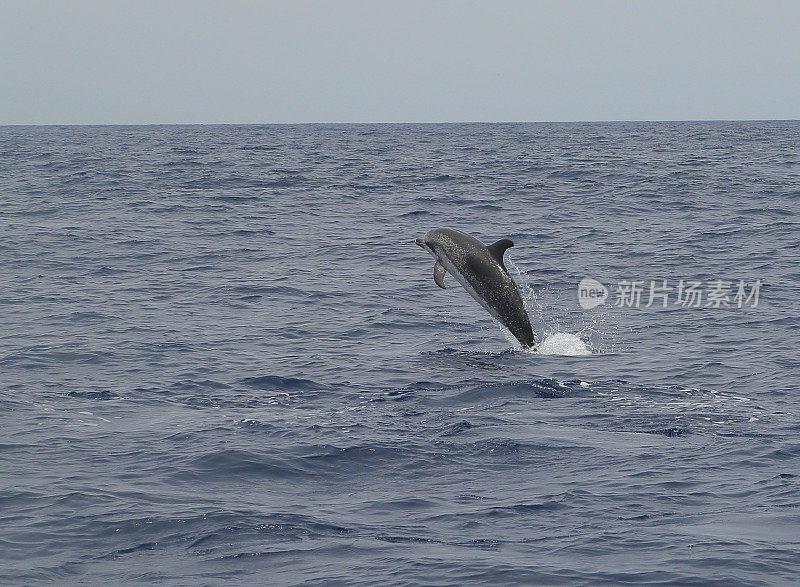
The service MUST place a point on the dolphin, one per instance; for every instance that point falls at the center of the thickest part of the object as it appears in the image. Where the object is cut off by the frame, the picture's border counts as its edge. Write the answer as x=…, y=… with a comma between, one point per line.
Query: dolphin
x=480, y=269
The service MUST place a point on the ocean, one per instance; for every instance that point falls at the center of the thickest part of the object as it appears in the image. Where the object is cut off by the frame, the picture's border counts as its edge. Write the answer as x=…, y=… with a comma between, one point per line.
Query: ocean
x=224, y=360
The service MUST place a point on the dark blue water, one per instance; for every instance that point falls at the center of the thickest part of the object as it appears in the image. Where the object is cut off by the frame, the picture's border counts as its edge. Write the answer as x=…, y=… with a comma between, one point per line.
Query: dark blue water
x=222, y=358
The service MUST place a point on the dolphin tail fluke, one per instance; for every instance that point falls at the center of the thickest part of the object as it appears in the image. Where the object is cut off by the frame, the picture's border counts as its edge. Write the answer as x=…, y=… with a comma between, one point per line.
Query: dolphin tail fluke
x=438, y=275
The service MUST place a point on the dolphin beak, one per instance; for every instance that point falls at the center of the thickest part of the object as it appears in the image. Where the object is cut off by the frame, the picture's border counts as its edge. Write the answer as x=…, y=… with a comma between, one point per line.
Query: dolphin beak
x=420, y=242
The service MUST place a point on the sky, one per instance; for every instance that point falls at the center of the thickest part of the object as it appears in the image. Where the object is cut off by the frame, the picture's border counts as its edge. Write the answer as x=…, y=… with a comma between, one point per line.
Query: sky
x=142, y=62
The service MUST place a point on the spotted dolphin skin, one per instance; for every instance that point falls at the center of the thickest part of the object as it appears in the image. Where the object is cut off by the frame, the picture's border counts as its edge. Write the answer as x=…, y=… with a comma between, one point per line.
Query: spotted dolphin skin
x=480, y=269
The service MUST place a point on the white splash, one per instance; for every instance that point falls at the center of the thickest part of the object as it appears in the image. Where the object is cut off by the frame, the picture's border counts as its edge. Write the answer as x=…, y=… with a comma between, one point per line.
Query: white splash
x=563, y=343
x=597, y=331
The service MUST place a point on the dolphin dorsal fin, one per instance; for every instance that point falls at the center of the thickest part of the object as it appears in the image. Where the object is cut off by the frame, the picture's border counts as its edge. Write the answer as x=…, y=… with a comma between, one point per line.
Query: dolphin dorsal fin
x=438, y=275
x=498, y=249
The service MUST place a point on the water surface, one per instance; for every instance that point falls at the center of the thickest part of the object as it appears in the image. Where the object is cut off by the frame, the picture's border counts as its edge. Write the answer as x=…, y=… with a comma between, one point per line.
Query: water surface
x=222, y=358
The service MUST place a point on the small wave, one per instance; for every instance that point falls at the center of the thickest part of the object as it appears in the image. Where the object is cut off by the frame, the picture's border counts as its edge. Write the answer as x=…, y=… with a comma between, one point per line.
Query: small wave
x=673, y=431
x=235, y=199
x=37, y=357
x=258, y=148
x=106, y=270
x=254, y=425
x=539, y=388
x=251, y=298
x=39, y=211
x=253, y=231
x=277, y=383
x=240, y=182
x=96, y=395
x=87, y=316
x=457, y=428
x=334, y=460
x=239, y=463
x=270, y=290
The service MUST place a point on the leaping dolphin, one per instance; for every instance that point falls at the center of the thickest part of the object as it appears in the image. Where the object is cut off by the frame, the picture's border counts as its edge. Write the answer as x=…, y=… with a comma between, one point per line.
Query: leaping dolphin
x=480, y=269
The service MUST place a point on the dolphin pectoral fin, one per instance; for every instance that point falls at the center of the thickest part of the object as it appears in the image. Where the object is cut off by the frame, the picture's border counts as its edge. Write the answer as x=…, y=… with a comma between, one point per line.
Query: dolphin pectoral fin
x=438, y=275
x=498, y=249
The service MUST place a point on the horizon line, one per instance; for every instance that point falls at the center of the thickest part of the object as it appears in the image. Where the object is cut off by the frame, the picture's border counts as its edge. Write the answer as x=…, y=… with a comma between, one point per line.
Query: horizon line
x=596, y=121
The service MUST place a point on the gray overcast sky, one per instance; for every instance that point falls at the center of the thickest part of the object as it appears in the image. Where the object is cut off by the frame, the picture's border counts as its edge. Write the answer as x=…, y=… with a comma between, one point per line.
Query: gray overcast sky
x=121, y=62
